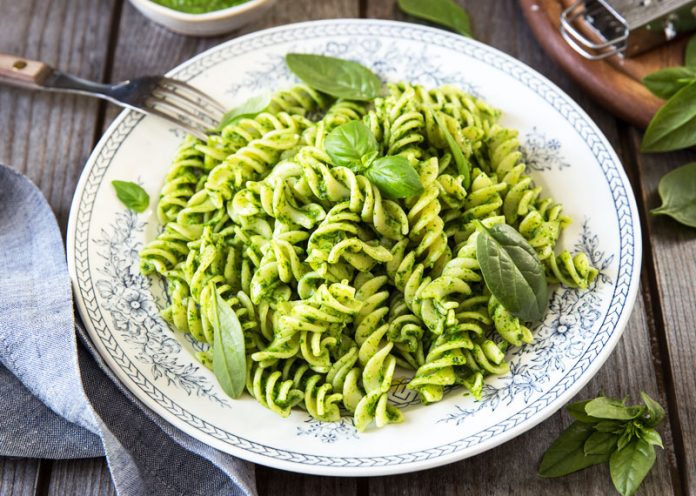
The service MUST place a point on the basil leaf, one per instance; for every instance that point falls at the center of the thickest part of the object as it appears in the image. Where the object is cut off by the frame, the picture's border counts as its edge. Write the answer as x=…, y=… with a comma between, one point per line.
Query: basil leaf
x=629, y=466
x=131, y=195
x=337, y=77
x=655, y=410
x=674, y=125
x=463, y=165
x=666, y=82
x=566, y=455
x=512, y=271
x=229, y=358
x=351, y=145
x=609, y=426
x=677, y=190
x=608, y=408
x=600, y=443
x=395, y=177
x=444, y=12
x=577, y=411
x=251, y=108
x=690, y=53
x=651, y=436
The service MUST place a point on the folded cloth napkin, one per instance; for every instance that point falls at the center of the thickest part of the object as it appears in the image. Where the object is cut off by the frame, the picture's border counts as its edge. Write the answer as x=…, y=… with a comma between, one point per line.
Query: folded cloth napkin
x=59, y=399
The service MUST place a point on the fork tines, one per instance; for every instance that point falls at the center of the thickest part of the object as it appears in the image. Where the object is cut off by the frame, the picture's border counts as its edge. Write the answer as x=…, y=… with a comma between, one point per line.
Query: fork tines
x=188, y=106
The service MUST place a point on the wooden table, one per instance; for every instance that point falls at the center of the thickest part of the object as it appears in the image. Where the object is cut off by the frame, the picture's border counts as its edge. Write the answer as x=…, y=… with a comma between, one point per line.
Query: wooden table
x=49, y=137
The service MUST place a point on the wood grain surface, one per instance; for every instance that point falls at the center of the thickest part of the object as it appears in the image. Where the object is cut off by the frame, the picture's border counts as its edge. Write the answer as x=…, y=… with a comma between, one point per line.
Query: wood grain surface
x=49, y=137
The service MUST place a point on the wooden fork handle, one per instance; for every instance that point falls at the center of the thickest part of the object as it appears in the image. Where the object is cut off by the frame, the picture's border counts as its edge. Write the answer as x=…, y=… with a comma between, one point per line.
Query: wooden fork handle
x=19, y=71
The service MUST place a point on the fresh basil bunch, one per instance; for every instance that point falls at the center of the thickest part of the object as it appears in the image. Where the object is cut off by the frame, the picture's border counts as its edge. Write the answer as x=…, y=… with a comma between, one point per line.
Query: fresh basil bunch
x=353, y=145
x=674, y=127
x=608, y=430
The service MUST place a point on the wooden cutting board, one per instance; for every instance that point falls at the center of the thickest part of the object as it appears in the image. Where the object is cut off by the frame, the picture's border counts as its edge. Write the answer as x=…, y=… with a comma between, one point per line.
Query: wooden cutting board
x=614, y=82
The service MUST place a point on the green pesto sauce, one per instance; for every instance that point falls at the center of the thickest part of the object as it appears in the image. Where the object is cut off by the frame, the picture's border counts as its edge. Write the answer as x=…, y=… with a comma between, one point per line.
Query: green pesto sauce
x=199, y=6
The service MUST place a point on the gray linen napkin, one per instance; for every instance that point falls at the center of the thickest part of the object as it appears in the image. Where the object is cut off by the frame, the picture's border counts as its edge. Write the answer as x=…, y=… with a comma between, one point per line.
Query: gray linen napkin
x=59, y=399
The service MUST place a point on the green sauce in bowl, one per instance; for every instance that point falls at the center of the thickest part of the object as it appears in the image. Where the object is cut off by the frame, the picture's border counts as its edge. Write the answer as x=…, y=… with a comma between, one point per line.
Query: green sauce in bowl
x=198, y=6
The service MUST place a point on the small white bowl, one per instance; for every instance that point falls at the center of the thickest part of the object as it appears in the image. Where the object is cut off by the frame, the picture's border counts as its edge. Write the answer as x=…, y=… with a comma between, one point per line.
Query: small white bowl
x=209, y=24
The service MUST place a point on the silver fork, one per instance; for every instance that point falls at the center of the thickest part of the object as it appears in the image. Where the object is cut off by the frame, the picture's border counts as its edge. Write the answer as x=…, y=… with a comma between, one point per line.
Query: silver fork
x=175, y=101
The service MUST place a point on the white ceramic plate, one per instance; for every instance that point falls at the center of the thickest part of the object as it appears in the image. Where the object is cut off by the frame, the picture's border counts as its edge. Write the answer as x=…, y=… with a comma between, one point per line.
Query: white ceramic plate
x=567, y=155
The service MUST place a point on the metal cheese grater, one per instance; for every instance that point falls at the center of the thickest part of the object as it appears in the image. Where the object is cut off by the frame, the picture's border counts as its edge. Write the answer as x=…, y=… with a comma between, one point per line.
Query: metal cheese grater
x=626, y=27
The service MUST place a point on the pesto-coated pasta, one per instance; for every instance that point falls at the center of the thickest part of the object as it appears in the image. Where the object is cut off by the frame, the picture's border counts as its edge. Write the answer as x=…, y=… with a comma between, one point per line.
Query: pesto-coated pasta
x=341, y=289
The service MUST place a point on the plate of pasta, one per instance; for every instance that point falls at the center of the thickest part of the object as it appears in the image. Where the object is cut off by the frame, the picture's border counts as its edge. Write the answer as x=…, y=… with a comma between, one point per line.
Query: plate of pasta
x=399, y=249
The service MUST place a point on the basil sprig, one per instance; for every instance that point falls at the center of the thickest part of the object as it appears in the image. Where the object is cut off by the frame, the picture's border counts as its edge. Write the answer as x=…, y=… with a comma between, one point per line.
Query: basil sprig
x=608, y=430
x=251, y=108
x=444, y=12
x=334, y=76
x=677, y=191
x=229, y=358
x=512, y=271
x=131, y=195
x=353, y=145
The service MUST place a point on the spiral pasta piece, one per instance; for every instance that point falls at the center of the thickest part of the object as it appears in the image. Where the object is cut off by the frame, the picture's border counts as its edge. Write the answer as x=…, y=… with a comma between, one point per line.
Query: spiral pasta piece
x=312, y=326
x=374, y=355
x=268, y=387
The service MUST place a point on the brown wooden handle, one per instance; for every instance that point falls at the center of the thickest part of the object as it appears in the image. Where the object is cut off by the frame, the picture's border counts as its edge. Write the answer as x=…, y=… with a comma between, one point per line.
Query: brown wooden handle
x=19, y=71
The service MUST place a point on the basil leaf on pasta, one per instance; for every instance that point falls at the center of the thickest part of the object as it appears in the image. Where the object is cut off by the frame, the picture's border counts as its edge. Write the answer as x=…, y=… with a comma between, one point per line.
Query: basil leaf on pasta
x=395, y=177
x=229, y=358
x=251, y=108
x=131, y=195
x=351, y=145
x=512, y=271
x=337, y=77
x=463, y=165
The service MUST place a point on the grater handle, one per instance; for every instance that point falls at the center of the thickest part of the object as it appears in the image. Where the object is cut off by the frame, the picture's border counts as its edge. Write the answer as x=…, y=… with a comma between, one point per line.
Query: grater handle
x=583, y=45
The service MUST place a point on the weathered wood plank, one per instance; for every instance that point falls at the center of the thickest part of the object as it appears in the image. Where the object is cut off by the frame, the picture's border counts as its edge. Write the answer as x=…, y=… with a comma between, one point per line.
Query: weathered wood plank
x=49, y=136
x=18, y=476
x=88, y=477
x=510, y=469
x=672, y=248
